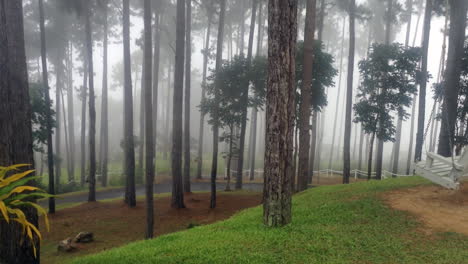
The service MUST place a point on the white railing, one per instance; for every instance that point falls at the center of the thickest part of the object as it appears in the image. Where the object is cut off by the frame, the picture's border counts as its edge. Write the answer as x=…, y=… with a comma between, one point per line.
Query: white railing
x=329, y=172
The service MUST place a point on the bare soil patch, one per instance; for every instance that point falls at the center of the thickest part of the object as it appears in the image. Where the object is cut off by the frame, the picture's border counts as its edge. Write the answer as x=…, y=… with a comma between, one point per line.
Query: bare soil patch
x=440, y=209
x=114, y=224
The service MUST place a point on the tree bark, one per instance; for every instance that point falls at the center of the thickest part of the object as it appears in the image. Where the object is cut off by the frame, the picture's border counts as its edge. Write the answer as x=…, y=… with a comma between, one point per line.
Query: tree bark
x=92, y=110
x=45, y=83
x=396, y=146
x=149, y=144
x=369, y=163
x=57, y=132
x=188, y=72
x=218, y=63
x=458, y=10
x=280, y=111
x=84, y=95
x=380, y=142
x=253, y=125
x=129, y=145
x=176, y=157
x=71, y=114
x=155, y=77
x=245, y=98
x=332, y=150
x=202, y=116
x=141, y=149
x=306, y=97
x=349, y=95
x=104, y=104
x=15, y=133
x=423, y=81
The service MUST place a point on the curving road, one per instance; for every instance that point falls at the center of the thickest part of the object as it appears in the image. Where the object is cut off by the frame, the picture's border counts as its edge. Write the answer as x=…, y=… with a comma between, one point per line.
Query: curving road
x=140, y=190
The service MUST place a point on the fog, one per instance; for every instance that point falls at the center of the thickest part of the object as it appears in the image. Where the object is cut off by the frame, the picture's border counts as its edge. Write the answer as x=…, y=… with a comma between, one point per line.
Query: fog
x=332, y=41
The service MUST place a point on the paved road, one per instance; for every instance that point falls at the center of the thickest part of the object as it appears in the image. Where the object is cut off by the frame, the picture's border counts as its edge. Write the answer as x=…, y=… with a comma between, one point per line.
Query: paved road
x=140, y=190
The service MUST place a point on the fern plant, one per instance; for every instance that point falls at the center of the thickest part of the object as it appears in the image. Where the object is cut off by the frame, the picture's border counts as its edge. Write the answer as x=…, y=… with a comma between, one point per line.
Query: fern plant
x=15, y=196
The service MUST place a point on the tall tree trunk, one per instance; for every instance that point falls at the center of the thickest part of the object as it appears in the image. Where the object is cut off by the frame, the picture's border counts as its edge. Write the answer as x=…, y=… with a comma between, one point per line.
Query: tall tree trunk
x=129, y=144
x=188, y=72
x=177, y=184
x=15, y=133
x=369, y=163
x=228, y=169
x=245, y=98
x=155, y=77
x=253, y=127
x=332, y=150
x=423, y=81
x=92, y=110
x=202, y=116
x=458, y=10
x=280, y=111
x=45, y=83
x=218, y=63
x=361, y=147
x=84, y=95
x=104, y=104
x=71, y=114
x=141, y=149
x=149, y=169
x=58, y=103
x=380, y=142
x=167, y=142
x=65, y=132
x=242, y=27
x=349, y=95
x=294, y=166
x=306, y=96
x=396, y=146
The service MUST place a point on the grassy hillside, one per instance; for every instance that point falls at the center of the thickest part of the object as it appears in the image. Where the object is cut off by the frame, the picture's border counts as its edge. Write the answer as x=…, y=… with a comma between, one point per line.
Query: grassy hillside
x=331, y=224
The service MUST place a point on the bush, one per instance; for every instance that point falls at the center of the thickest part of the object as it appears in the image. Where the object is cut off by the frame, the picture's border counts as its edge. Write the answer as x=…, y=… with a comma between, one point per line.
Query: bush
x=15, y=195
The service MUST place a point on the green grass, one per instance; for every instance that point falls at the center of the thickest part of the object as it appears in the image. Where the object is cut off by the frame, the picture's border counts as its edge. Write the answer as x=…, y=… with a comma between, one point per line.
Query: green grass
x=331, y=224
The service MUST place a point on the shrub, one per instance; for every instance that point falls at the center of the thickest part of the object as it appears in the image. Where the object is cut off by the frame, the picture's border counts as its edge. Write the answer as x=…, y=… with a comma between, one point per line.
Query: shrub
x=15, y=196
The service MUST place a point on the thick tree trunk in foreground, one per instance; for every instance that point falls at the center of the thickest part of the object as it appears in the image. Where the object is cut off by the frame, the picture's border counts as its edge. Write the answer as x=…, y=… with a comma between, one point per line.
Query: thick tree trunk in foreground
x=306, y=96
x=458, y=9
x=188, y=72
x=129, y=144
x=280, y=112
x=84, y=95
x=349, y=95
x=104, y=105
x=15, y=133
x=176, y=157
x=219, y=58
x=149, y=145
x=245, y=98
x=92, y=110
x=45, y=83
x=423, y=82
x=202, y=116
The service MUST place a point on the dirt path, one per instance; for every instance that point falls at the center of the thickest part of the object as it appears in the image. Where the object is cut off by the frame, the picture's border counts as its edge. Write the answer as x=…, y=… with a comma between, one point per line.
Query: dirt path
x=114, y=224
x=140, y=190
x=440, y=209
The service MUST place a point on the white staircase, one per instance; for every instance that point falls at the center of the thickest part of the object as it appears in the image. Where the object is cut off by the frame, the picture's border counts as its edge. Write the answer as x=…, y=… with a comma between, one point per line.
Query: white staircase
x=441, y=170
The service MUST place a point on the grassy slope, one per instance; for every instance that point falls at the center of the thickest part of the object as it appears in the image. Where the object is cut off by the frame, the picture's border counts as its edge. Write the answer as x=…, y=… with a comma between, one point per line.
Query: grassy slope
x=331, y=224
